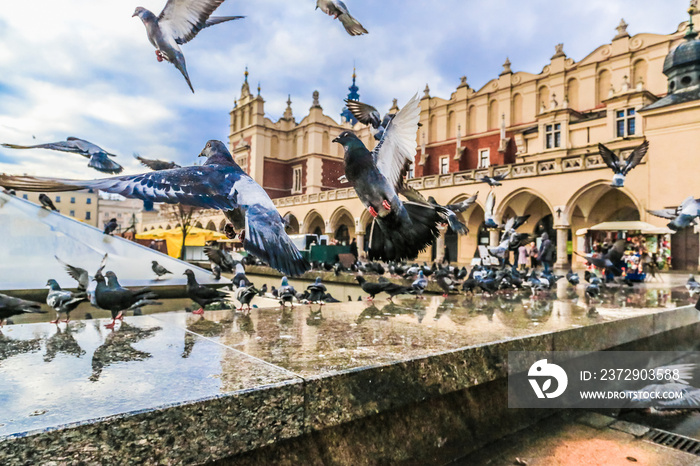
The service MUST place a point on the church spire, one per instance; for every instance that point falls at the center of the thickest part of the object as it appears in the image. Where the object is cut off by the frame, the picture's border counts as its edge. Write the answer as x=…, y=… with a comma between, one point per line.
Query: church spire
x=346, y=114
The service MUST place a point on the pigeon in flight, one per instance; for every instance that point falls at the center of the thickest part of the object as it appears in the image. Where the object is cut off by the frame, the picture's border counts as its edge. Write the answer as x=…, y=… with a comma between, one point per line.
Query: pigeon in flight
x=177, y=24
x=369, y=115
x=99, y=158
x=406, y=228
x=489, y=215
x=156, y=164
x=218, y=184
x=46, y=202
x=10, y=306
x=159, y=269
x=494, y=180
x=619, y=167
x=338, y=10
x=681, y=217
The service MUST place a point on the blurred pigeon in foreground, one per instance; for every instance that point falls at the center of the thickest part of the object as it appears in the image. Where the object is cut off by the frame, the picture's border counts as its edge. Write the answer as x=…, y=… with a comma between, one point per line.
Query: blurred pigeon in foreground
x=369, y=115
x=201, y=294
x=46, y=202
x=405, y=228
x=177, y=24
x=620, y=168
x=159, y=269
x=218, y=184
x=63, y=301
x=99, y=159
x=338, y=10
x=681, y=217
x=10, y=306
x=156, y=164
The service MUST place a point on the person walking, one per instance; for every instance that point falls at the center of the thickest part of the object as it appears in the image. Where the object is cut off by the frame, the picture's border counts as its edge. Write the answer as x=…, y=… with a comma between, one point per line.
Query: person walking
x=353, y=248
x=546, y=254
x=523, y=254
x=533, y=255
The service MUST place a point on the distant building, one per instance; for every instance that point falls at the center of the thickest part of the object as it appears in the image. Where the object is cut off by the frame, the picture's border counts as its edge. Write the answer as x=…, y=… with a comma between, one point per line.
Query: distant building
x=81, y=205
x=541, y=130
x=126, y=211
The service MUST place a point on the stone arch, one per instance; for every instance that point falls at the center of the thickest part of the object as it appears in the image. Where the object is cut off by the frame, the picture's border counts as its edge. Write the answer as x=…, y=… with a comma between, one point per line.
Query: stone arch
x=451, y=126
x=604, y=81
x=542, y=99
x=211, y=226
x=493, y=114
x=305, y=146
x=432, y=129
x=639, y=72
x=295, y=146
x=275, y=146
x=168, y=227
x=222, y=224
x=471, y=117
x=292, y=224
x=198, y=224
x=516, y=112
x=572, y=93
x=343, y=225
x=525, y=201
x=326, y=143
x=313, y=222
x=473, y=218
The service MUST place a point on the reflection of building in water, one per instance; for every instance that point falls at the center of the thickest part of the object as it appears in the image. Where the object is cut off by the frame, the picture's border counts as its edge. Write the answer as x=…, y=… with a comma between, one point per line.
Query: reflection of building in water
x=540, y=128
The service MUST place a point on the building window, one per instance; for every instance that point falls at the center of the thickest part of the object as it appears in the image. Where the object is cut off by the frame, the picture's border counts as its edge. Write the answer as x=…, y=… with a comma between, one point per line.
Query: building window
x=444, y=165
x=552, y=136
x=296, y=179
x=72, y=200
x=87, y=215
x=72, y=213
x=88, y=200
x=58, y=198
x=119, y=215
x=484, y=158
x=626, y=122
x=24, y=196
x=410, y=173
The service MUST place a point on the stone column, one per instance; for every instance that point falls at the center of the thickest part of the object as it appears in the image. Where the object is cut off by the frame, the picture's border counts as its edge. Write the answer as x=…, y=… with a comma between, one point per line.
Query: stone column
x=360, y=243
x=440, y=245
x=562, y=257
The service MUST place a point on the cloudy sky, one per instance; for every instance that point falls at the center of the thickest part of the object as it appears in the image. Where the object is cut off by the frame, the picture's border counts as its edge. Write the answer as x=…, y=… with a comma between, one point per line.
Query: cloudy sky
x=85, y=68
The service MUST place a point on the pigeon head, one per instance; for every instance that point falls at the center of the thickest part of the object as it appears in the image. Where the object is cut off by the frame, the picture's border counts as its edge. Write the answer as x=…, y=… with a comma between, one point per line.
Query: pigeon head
x=318, y=281
x=53, y=284
x=216, y=153
x=285, y=282
x=144, y=14
x=112, y=278
x=347, y=138
x=189, y=273
x=154, y=262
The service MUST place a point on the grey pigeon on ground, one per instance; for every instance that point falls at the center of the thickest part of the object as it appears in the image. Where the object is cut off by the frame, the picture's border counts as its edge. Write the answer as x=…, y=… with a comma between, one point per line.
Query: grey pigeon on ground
x=619, y=167
x=177, y=24
x=372, y=289
x=692, y=286
x=317, y=291
x=572, y=278
x=46, y=202
x=201, y=294
x=681, y=217
x=245, y=294
x=399, y=230
x=10, y=306
x=111, y=226
x=494, y=180
x=63, y=301
x=286, y=293
x=99, y=158
x=369, y=115
x=159, y=269
x=111, y=296
x=156, y=164
x=217, y=184
x=338, y=10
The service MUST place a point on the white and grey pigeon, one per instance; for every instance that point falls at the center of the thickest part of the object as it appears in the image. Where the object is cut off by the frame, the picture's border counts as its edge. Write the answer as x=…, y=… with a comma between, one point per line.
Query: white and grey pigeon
x=619, y=167
x=338, y=10
x=177, y=24
x=99, y=158
x=489, y=215
x=682, y=216
x=219, y=183
x=692, y=286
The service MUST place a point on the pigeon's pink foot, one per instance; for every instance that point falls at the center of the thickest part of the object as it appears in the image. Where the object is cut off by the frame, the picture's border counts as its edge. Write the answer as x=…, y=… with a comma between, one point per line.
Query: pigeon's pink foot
x=54, y=321
x=444, y=295
x=120, y=316
x=66, y=321
x=386, y=204
x=372, y=212
x=369, y=298
x=159, y=56
x=110, y=325
x=198, y=312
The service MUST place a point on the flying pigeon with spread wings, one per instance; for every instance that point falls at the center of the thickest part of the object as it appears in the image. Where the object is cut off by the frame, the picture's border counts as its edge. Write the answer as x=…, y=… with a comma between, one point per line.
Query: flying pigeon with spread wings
x=177, y=24
x=338, y=10
x=404, y=228
x=622, y=167
x=682, y=216
x=218, y=184
x=99, y=158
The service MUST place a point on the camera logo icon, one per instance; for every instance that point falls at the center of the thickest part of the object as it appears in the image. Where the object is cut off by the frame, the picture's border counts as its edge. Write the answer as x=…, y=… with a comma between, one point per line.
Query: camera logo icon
x=541, y=370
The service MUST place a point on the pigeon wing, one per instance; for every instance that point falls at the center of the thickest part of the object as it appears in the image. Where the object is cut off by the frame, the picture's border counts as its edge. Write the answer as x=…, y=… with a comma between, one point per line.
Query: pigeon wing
x=183, y=19
x=87, y=147
x=62, y=146
x=102, y=163
x=364, y=113
x=609, y=158
x=78, y=274
x=490, y=203
x=500, y=177
x=664, y=213
x=464, y=205
x=398, y=145
x=635, y=157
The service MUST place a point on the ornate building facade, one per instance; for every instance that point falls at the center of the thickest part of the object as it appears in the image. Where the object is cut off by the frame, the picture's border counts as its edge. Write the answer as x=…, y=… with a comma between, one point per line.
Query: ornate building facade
x=540, y=130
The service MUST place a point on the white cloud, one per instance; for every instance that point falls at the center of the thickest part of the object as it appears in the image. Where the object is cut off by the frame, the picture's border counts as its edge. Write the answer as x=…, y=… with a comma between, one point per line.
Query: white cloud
x=84, y=68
